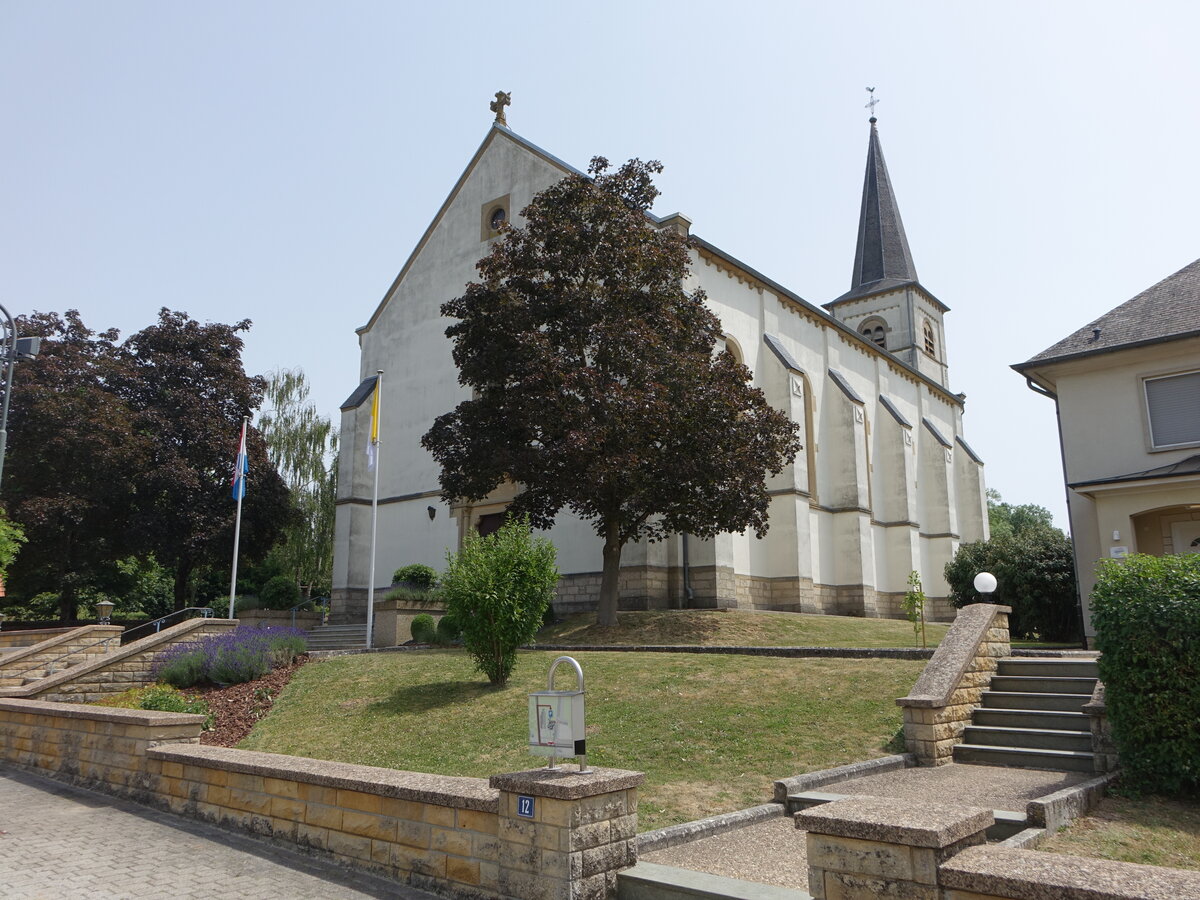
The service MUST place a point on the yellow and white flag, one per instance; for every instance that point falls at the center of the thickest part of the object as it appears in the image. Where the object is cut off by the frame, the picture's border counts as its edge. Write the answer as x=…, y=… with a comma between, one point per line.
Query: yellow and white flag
x=373, y=441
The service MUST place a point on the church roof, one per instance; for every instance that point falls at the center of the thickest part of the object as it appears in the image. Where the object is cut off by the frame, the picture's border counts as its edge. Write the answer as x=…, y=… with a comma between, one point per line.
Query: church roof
x=1166, y=312
x=882, y=260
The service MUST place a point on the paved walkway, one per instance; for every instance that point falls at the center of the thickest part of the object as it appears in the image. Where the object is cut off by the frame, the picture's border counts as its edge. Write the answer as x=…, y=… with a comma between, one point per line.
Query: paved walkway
x=58, y=841
x=773, y=851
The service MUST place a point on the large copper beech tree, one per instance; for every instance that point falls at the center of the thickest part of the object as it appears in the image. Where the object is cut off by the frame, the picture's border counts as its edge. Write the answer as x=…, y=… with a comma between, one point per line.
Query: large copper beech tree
x=596, y=385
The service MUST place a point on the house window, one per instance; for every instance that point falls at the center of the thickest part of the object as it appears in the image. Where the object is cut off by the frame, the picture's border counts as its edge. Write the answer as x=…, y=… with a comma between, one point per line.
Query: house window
x=1173, y=410
x=930, y=344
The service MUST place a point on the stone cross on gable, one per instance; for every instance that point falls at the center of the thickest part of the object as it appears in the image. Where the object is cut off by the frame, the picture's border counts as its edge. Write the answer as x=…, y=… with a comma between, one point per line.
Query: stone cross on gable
x=503, y=99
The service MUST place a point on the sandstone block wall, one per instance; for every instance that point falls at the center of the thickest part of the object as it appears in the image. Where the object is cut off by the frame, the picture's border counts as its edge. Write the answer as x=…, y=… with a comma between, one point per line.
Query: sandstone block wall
x=27, y=637
x=118, y=670
x=457, y=836
x=67, y=648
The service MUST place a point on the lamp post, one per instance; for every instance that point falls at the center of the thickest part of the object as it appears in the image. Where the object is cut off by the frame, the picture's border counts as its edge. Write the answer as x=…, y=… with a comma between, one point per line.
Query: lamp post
x=104, y=610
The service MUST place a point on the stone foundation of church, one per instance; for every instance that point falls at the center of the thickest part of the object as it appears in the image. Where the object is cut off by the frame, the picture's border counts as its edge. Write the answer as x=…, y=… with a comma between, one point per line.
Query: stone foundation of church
x=713, y=587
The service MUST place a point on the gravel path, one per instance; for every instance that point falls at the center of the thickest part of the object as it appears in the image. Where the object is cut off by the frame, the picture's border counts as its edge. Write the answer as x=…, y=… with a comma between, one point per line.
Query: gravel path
x=772, y=852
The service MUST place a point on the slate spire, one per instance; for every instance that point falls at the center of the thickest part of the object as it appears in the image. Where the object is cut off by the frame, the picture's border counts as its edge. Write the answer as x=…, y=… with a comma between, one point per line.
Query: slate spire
x=882, y=258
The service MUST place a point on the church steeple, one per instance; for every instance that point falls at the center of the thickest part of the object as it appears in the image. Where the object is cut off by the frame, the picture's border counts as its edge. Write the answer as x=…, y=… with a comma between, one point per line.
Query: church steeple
x=882, y=258
x=886, y=304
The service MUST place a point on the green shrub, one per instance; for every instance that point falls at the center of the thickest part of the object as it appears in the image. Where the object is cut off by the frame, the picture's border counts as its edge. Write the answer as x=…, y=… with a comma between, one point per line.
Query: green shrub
x=416, y=574
x=1035, y=575
x=1146, y=610
x=424, y=629
x=280, y=592
x=447, y=630
x=168, y=699
x=497, y=589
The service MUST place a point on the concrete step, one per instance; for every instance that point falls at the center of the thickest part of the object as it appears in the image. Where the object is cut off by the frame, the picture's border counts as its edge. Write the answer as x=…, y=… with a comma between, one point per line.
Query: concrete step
x=1025, y=758
x=1033, y=718
x=338, y=637
x=1038, y=684
x=1052, y=668
x=650, y=881
x=1016, y=700
x=1035, y=738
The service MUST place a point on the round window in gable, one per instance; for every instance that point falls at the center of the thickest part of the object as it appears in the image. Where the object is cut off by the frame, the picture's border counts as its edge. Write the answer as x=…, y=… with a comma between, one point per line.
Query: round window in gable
x=497, y=219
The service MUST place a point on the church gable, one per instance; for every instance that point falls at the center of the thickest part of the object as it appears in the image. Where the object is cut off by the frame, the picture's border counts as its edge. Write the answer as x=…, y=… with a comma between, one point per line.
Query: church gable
x=499, y=181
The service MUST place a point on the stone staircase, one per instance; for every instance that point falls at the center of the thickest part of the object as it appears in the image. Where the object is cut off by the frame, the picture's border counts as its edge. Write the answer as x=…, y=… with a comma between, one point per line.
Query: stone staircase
x=338, y=637
x=1031, y=717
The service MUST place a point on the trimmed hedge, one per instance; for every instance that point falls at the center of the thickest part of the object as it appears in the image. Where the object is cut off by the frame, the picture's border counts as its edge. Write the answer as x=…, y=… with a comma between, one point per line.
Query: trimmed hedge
x=1146, y=610
x=416, y=574
x=424, y=629
x=447, y=630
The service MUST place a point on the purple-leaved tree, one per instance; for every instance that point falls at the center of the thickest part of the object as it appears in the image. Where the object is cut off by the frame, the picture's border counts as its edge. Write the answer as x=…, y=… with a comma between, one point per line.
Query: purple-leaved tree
x=596, y=385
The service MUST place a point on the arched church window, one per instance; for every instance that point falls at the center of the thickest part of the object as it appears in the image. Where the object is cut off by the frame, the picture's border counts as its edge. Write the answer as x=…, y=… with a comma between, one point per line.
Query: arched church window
x=930, y=344
x=734, y=350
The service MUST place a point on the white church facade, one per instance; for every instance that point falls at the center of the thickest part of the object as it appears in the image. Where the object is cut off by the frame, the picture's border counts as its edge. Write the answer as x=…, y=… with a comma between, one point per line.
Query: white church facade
x=884, y=485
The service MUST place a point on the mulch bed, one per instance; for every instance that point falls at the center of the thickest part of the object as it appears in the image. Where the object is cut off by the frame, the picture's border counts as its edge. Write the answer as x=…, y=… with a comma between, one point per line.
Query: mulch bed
x=238, y=708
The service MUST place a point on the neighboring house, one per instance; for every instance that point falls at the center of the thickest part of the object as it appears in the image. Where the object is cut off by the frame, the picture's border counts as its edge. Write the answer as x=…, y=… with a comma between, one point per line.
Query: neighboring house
x=1127, y=387
x=885, y=483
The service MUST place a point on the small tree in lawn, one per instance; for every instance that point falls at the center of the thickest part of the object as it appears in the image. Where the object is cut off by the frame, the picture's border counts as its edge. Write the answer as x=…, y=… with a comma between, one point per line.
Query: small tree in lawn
x=595, y=382
x=497, y=589
x=914, y=606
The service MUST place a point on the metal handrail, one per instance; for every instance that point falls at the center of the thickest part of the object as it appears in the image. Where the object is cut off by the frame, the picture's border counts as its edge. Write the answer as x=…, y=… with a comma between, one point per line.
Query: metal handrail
x=51, y=666
x=206, y=612
x=309, y=602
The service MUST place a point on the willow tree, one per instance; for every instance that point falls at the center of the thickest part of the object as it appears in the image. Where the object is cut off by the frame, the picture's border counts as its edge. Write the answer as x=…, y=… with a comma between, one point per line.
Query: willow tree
x=596, y=382
x=302, y=445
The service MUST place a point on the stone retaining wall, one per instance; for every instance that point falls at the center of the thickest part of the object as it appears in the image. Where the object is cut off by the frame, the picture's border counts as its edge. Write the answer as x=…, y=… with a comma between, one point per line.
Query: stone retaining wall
x=947, y=692
x=304, y=619
x=27, y=637
x=554, y=834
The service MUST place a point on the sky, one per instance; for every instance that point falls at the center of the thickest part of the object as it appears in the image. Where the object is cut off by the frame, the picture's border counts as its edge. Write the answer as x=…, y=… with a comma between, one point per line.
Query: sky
x=278, y=161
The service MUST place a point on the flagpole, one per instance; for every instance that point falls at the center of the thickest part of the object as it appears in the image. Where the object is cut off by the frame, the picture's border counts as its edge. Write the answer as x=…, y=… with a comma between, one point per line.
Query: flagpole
x=239, y=474
x=374, y=511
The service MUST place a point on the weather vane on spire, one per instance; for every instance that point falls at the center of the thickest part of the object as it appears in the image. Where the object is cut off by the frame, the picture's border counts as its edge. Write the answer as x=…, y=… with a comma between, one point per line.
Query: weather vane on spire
x=870, y=104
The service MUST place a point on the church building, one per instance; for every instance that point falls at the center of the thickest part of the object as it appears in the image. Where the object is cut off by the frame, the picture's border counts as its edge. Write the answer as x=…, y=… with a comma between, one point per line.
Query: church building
x=884, y=485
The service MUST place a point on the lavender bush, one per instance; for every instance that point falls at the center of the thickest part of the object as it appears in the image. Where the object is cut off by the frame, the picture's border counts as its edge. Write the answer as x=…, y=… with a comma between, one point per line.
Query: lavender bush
x=244, y=654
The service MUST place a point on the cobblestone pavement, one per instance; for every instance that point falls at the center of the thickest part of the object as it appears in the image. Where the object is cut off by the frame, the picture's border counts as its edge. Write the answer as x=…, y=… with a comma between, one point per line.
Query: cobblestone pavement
x=58, y=842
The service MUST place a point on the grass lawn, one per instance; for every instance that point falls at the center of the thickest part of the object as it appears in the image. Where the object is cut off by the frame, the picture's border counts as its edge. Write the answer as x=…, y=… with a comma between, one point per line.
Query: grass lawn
x=738, y=628
x=1155, y=831
x=710, y=732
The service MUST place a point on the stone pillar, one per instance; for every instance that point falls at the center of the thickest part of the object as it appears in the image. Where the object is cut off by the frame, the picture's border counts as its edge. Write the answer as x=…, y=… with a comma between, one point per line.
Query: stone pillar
x=565, y=835
x=1104, y=748
x=862, y=848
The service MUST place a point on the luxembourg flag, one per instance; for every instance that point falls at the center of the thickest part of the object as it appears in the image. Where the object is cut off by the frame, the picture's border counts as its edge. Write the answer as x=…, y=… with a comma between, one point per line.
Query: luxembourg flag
x=240, y=468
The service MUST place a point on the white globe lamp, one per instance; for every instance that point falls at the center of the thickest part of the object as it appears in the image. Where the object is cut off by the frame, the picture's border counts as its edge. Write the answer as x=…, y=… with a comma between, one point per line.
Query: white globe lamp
x=985, y=582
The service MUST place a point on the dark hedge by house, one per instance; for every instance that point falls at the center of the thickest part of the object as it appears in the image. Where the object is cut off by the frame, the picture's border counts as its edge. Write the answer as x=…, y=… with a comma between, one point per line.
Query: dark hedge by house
x=1146, y=610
